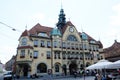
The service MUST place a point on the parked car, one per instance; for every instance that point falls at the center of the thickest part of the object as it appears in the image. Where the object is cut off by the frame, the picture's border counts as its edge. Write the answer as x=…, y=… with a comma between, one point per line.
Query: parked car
x=7, y=75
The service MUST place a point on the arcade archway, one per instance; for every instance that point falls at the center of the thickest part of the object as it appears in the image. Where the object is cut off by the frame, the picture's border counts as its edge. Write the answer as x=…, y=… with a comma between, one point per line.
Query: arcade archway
x=72, y=68
x=24, y=68
x=42, y=68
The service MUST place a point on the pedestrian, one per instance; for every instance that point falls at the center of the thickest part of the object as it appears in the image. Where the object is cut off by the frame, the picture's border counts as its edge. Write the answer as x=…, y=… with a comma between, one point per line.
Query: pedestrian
x=103, y=77
x=98, y=76
x=75, y=74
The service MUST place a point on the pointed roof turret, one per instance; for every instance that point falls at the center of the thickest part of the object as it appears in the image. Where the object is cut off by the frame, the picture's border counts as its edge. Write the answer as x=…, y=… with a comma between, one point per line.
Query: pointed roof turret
x=61, y=19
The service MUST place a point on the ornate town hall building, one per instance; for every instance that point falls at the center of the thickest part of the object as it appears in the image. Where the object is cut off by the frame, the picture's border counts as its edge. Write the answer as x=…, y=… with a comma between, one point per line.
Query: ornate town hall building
x=59, y=50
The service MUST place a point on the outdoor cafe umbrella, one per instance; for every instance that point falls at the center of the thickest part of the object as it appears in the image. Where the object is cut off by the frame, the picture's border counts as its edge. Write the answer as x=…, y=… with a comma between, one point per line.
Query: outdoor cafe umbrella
x=115, y=65
x=102, y=64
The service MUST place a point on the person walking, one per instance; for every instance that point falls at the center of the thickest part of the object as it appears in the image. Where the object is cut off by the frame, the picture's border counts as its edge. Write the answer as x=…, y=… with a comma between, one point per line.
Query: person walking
x=98, y=76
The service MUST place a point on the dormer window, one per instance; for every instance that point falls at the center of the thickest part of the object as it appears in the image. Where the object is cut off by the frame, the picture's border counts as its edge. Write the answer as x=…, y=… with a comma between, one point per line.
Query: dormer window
x=24, y=41
x=92, y=41
x=43, y=34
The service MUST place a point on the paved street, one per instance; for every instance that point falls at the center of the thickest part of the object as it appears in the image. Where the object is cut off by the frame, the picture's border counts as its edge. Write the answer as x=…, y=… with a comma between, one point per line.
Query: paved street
x=71, y=78
x=48, y=78
x=87, y=78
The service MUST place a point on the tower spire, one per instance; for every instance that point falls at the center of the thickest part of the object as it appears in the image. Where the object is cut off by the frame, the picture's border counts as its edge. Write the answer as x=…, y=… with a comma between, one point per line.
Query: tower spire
x=61, y=19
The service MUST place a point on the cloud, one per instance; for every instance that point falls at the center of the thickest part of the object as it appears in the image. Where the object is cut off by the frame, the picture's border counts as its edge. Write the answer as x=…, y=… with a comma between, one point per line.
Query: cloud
x=115, y=19
x=52, y=22
x=6, y=53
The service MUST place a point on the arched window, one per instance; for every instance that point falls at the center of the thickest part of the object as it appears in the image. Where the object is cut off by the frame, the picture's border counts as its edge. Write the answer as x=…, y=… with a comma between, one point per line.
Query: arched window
x=57, y=68
x=71, y=38
x=42, y=68
x=24, y=41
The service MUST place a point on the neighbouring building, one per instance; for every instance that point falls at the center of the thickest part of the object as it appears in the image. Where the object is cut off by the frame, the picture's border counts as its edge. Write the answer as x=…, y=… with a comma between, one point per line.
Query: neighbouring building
x=10, y=65
x=112, y=53
x=1, y=67
x=59, y=50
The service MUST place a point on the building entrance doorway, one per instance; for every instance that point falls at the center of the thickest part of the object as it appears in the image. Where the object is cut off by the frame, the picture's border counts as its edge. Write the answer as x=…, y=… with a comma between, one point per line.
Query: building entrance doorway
x=72, y=68
x=64, y=67
x=24, y=68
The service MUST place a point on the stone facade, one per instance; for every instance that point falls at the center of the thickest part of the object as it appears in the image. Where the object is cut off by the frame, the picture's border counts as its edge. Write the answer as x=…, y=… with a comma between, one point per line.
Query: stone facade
x=60, y=50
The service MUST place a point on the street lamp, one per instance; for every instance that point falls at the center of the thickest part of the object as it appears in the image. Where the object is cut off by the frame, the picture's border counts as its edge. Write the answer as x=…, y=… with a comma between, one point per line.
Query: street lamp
x=10, y=27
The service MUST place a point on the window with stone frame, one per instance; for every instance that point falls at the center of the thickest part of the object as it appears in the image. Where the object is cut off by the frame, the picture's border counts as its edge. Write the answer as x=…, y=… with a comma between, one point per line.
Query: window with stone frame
x=68, y=55
x=59, y=55
x=55, y=55
x=64, y=45
x=35, y=54
x=68, y=45
x=80, y=46
x=55, y=44
x=81, y=56
x=48, y=44
x=76, y=46
x=72, y=46
x=42, y=43
x=22, y=54
x=98, y=56
x=48, y=54
x=64, y=55
x=35, y=43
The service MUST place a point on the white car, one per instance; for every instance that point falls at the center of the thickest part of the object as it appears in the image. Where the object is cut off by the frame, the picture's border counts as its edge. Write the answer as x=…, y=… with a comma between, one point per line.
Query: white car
x=7, y=75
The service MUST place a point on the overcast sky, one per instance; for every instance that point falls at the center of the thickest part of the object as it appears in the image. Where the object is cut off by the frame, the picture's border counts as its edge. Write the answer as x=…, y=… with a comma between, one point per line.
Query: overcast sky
x=98, y=18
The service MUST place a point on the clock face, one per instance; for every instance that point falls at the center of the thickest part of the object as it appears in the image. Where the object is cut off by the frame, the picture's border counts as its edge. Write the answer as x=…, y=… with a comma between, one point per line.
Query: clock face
x=71, y=29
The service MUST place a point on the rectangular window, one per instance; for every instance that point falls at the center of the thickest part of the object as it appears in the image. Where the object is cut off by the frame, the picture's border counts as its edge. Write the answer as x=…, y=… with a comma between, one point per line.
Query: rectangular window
x=35, y=54
x=63, y=44
x=35, y=43
x=55, y=44
x=22, y=54
x=98, y=56
x=42, y=43
x=48, y=44
x=55, y=55
x=72, y=45
x=59, y=56
x=68, y=45
x=48, y=54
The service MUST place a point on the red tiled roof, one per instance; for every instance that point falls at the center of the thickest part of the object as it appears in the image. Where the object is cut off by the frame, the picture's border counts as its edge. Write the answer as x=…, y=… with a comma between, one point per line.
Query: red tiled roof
x=39, y=28
x=25, y=47
x=25, y=33
x=113, y=50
